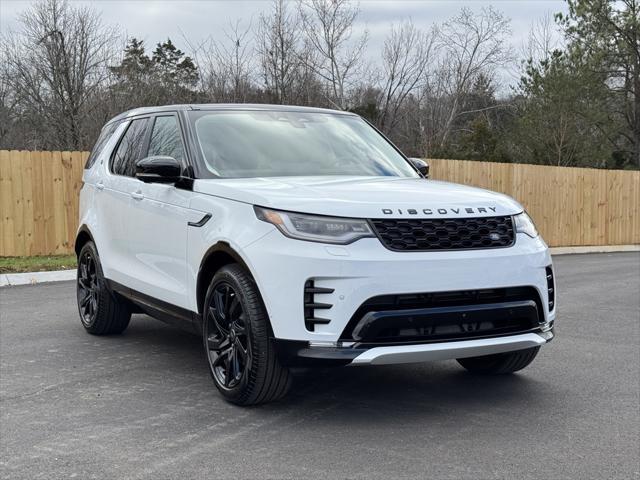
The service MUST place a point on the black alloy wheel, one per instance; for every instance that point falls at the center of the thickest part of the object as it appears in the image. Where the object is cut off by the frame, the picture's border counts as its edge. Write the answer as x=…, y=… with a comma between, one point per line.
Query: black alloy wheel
x=87, y=287
x=227, y=337
x=238, y=341
x=101, y=311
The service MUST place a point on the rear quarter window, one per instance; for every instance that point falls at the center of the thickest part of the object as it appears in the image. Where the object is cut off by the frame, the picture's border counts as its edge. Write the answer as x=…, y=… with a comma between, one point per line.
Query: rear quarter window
x=103, y=139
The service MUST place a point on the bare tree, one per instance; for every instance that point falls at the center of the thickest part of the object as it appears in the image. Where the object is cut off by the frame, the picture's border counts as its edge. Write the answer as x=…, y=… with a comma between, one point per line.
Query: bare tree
x=328, y=26
x=544, y=37
x=405, y=61
x=470, y=45
x=8, y=101
x=226, y=66
x=278, y=43
x=56, y=63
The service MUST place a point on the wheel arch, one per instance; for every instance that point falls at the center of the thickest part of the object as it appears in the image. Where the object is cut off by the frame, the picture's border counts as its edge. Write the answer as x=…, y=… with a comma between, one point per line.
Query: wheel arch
x=83, y=236
x=214, y=259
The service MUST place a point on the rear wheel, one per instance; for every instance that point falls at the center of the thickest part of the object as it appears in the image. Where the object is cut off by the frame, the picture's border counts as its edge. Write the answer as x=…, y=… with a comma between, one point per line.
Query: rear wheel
x=501, y=362
x=101, y=311
x=241, y=356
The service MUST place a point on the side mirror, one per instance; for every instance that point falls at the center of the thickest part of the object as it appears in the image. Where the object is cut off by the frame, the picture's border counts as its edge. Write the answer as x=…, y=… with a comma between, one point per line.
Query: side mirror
x=158, y=169
x=421, y=166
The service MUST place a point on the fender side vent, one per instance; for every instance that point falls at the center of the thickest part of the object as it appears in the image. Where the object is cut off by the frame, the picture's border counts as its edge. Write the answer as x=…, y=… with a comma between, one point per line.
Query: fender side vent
x=311, y=304
x=551, y=291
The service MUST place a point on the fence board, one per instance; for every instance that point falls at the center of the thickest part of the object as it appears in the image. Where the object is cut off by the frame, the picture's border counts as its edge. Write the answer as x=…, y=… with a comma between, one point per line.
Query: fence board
x=39, y=207
x=47, y=191
x=27, y=195
x=17, y=202
x=6, y=207
x=571, y=206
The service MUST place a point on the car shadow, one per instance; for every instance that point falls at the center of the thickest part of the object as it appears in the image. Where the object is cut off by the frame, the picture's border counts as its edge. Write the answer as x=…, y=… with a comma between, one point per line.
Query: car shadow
x=363, y=393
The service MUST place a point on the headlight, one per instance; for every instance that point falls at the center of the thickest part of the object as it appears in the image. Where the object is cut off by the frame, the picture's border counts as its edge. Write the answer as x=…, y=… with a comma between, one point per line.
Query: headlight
x=316, y=228
x=524, y=224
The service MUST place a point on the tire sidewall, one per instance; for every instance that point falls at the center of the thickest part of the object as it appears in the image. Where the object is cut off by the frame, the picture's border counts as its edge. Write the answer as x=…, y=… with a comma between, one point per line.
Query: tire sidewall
x=256, y=344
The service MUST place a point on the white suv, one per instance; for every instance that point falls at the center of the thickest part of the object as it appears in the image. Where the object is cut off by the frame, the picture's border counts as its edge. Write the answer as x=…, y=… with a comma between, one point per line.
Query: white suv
x=290, y=236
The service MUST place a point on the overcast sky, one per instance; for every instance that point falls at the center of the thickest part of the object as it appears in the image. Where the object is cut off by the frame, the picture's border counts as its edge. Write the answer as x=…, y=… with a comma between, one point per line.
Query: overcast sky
x=154, y=21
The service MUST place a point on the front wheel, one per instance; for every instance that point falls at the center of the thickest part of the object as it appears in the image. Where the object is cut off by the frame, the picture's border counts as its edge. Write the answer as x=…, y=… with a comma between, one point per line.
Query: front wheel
x=241, y=356
x=500, y=363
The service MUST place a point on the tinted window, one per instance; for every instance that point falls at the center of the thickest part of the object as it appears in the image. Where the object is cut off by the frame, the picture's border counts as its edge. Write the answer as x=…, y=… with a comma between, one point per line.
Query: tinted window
x=128, y=152
x=271, y=144
x=104, y=137
x=166, y=139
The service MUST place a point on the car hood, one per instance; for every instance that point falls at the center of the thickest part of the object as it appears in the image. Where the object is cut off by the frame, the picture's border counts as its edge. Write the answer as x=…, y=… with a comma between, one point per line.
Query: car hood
x=363, y=197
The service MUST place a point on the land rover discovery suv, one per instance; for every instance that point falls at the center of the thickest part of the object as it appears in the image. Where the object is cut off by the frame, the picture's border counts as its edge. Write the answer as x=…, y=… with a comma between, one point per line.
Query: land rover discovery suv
x=290, y=236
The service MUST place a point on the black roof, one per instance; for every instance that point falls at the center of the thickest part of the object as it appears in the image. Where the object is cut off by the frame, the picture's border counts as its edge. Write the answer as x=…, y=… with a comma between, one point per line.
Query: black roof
x=224, y=106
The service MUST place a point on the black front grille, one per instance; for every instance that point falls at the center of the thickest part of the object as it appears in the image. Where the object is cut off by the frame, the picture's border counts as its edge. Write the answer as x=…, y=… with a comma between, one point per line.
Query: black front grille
x=445, y=233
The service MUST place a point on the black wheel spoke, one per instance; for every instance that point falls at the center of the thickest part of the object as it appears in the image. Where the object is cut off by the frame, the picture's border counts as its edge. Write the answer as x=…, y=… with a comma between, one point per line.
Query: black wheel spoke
x=226, y=304
x=227, y=369
x=218, y=362
x=233, y=368
x=213, y=314
x=218, y=344
x=239, y=328
x=242, y=352
x=85, y=299
x=223, y=330
x=218, y=302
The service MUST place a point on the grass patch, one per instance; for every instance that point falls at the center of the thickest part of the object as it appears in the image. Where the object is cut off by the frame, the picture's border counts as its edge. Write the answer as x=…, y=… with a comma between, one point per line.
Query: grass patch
x=37, y=264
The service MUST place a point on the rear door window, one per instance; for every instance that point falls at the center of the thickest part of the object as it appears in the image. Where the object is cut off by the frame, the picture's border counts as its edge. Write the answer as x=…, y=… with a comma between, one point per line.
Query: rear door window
x=128, y=152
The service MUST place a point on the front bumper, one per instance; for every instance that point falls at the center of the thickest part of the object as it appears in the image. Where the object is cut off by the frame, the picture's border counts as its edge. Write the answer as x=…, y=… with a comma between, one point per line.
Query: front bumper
x=365, y=269
x=301, y=354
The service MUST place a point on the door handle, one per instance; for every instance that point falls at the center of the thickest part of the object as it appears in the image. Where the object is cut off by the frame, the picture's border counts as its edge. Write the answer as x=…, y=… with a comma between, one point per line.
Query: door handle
x=100, y=186
x=137, y=195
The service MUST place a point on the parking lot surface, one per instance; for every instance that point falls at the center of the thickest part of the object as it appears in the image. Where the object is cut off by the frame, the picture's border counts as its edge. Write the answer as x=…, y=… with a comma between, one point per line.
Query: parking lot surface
x=142, y=404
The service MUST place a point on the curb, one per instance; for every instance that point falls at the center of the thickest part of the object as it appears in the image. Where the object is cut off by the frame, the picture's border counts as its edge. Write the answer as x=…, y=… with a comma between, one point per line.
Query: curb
x=597, y=249
x=10, y=279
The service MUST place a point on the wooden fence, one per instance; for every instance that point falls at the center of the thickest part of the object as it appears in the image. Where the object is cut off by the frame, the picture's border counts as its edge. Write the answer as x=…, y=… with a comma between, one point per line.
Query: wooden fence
x=571, y=206
x=39, y=201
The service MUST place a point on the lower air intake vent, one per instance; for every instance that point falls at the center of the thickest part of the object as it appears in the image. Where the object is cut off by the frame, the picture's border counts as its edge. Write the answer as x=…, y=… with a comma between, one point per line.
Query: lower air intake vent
x=311, y=304
x=445, y=316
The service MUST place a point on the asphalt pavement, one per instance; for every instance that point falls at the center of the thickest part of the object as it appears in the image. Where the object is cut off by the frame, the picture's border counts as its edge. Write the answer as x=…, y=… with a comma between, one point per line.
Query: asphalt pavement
x=142, y=404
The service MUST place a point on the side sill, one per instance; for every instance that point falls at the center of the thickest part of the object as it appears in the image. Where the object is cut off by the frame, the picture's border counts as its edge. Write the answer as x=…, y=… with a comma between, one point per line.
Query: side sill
x=158, y=309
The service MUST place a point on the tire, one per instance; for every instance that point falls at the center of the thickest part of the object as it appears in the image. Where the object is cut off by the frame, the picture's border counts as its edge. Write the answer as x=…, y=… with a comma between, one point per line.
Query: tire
x=500, y=363
x=240, y=353
x=101, y=311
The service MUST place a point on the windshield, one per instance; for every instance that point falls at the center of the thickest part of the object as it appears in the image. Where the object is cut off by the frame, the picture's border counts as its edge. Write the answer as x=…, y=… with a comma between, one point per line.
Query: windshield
x=274, y=144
